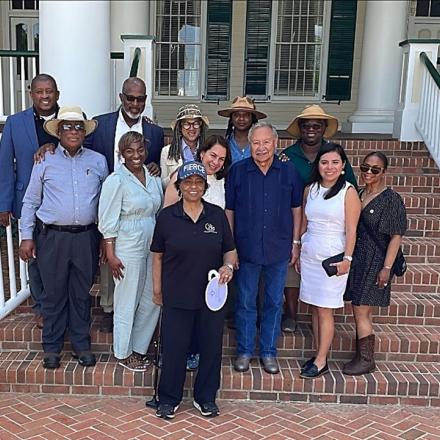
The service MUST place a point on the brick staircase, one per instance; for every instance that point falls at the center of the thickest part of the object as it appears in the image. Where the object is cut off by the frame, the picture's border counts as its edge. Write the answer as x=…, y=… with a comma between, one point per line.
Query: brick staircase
x=408, y=332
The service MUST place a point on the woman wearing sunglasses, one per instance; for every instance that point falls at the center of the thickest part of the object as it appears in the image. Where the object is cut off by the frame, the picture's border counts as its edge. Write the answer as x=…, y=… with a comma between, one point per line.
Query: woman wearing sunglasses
x=379, y=234
x=189, y=131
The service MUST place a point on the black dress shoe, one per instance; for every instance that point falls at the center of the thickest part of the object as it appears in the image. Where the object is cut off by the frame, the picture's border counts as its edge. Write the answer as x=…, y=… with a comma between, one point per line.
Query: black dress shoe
x=85, y=358
x=307, y=364
x=51, y=361
x=312, y=372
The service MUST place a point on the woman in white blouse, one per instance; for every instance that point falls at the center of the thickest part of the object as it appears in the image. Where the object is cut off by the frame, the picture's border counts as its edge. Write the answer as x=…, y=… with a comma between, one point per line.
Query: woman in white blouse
x=215, y=155
x=130, y=199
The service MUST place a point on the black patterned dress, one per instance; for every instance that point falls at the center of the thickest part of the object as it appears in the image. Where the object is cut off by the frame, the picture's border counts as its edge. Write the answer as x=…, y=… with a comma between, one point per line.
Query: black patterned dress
x=385, y=215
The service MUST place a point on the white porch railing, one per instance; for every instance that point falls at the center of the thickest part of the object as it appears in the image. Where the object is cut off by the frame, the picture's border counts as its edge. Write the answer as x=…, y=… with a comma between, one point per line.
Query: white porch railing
x=16, y=72
x=428, y=118
x=10, y=298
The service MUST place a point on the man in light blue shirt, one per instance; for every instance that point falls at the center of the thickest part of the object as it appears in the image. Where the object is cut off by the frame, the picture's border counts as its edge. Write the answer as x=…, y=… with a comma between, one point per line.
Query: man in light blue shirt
x=61, y=207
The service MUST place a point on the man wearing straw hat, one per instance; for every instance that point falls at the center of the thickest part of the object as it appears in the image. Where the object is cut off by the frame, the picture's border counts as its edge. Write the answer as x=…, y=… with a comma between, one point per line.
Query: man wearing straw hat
x=310, y=128
x=242, y=115
x=58, y=224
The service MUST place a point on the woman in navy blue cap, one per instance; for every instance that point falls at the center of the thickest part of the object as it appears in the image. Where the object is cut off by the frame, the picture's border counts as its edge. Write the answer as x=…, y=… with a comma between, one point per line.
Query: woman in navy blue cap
x=191, y=238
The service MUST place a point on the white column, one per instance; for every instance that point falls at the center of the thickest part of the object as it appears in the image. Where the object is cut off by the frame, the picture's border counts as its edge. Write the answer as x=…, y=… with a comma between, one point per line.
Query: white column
x=75, y=49
x=128, y=18
x=385, y=27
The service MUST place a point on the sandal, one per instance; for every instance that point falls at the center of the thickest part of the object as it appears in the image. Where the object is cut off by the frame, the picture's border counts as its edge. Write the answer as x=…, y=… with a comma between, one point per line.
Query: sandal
x=133, y=364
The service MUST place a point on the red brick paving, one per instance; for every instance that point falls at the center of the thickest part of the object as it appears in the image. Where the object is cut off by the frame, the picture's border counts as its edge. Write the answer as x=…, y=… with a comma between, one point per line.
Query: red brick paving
x=37, y=416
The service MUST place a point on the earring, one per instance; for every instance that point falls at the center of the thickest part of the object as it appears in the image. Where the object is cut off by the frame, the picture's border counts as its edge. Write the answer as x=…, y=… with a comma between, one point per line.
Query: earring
x=342, y=172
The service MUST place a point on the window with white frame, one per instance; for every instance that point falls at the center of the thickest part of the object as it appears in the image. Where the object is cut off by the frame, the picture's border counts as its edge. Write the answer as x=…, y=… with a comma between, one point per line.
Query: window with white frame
x=298, y=48
x=178, y=47
x=296, y=41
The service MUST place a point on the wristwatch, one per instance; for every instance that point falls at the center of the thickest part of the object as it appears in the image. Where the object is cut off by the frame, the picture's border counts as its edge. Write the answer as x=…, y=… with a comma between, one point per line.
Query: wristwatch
x=229, y=265
x=348, y=258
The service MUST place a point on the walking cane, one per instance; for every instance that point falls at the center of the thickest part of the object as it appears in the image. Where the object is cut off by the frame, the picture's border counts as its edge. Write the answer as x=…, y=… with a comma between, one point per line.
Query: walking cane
x=154, y=402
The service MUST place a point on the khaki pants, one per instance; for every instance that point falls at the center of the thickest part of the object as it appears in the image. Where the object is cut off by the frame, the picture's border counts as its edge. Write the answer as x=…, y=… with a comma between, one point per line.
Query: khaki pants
x=107, y=288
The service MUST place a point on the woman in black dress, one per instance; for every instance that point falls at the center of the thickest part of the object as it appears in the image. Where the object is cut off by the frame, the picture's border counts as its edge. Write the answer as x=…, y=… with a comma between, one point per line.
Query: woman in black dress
x=379, y=235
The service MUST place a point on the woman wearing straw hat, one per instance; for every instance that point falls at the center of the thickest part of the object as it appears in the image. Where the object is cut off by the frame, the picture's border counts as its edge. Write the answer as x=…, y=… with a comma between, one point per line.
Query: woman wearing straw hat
x=189, y=131
x=242, y=115
x=311, y=128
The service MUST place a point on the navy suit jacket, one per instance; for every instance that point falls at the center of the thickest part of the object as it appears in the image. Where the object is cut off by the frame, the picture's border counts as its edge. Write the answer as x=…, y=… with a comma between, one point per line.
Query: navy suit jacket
x=102, y=139
x=19, y=141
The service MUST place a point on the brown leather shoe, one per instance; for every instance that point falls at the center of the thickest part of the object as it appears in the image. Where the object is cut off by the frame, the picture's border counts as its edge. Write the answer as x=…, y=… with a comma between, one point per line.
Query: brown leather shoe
x=365, y=362
x=39, y=320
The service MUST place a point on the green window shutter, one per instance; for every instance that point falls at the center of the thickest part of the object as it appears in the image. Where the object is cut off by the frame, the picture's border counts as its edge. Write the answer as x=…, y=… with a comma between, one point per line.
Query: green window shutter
x=219, y=22
x=258, y=31
x=340, y=51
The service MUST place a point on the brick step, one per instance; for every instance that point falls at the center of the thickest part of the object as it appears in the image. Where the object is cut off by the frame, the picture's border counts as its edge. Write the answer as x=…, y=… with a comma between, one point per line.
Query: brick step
x=421, y=250
x=407, y=164
x=403, y=341
x=414, y=183
x=425, y=204
x=391, y=383
x=419, y=278
x=420, y=225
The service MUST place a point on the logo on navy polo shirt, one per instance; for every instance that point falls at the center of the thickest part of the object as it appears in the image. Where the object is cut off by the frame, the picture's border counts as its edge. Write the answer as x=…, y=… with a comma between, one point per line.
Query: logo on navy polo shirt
x=209, y=229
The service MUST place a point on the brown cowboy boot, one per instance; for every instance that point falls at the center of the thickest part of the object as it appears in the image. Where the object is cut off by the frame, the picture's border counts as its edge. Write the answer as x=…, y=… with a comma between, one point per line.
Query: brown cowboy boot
x=365, y=363
x=354, y=360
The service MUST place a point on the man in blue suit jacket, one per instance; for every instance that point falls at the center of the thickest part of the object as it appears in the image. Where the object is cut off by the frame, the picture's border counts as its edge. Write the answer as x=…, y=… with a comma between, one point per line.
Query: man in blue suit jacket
x=104, y=140
x=23, y=134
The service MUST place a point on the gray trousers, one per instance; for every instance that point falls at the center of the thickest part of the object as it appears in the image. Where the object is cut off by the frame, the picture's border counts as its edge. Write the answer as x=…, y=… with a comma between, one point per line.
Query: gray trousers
x=35, y=285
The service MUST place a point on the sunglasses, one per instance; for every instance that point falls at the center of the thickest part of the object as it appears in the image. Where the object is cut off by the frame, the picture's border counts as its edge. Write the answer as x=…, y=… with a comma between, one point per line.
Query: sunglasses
x=71, y=126
x=365, y=168
x=314, y=127
x=188, y=125
x=131, y=98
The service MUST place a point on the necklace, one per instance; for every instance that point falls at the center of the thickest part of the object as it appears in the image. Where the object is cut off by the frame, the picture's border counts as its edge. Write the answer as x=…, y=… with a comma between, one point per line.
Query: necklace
x=365, y=195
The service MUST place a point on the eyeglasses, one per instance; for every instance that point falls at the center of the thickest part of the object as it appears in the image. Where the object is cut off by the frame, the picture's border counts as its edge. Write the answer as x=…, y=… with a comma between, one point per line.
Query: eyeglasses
x=365, y=168
x=314, y=127
x=71, y=126
x=130, y=98
x=187, y=125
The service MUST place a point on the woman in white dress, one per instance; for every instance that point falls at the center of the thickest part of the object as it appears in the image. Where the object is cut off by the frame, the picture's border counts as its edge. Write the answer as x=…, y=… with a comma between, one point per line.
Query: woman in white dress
x=330, y=216
x=215, y=155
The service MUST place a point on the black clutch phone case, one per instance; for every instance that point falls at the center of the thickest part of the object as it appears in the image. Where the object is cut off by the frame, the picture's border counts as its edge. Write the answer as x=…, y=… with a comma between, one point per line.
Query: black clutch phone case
x=332, y=270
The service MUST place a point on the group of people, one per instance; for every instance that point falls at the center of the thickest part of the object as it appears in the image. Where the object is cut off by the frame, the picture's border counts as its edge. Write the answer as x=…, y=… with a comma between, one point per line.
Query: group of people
x=160, y=218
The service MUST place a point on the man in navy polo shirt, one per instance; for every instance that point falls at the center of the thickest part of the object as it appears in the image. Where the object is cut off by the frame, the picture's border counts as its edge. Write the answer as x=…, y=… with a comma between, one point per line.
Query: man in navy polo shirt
x=263, y=206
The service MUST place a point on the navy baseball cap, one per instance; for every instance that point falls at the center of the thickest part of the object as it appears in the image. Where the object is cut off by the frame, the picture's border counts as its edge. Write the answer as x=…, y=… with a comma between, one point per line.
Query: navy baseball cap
x=192, y=168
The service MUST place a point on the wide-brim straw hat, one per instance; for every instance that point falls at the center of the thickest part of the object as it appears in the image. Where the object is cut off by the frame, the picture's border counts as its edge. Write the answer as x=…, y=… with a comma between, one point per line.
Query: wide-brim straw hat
x=314, y=112
x=70, y=114
x=242, y=104
x=189, y=111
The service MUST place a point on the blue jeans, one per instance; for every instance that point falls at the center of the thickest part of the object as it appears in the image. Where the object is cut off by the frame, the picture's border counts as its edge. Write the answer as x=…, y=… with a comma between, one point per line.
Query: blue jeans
x=246, y=306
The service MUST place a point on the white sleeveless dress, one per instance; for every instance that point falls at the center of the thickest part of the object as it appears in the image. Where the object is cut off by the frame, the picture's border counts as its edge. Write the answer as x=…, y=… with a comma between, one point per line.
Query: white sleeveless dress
x=325, y=237
x=215, y=193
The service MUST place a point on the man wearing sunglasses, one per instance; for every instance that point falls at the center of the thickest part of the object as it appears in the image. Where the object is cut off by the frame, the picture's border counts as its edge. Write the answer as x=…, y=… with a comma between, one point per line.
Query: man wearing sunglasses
x=23, y=134
x=310, y=129
x=105, y=139
x=58, y=225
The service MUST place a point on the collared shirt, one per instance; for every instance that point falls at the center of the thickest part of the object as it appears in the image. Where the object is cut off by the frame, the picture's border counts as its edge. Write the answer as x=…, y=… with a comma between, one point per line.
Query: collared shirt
x=304, y=166
x=64, y=190
x=121, y=128
x=187, y=154
x=262, y=205
x=190, y=250
x=42, y=135
x=238, y=153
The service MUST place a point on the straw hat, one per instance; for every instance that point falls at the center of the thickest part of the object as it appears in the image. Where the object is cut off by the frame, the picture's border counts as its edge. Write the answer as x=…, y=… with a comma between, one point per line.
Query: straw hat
x=242, y=104
x=314, y=112
x=189, y=111
x=69, y=114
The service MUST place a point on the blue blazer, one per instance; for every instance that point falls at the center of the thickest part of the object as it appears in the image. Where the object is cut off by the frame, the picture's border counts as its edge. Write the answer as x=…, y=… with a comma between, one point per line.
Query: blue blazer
x=102, y=139
x=19, y=141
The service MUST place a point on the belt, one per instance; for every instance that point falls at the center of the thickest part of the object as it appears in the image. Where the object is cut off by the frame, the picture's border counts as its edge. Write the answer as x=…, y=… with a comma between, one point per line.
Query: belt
x=67, y=228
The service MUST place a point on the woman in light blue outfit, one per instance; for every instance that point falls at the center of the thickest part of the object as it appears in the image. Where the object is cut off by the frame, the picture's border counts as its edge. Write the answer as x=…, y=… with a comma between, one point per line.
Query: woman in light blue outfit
x=130, y=199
